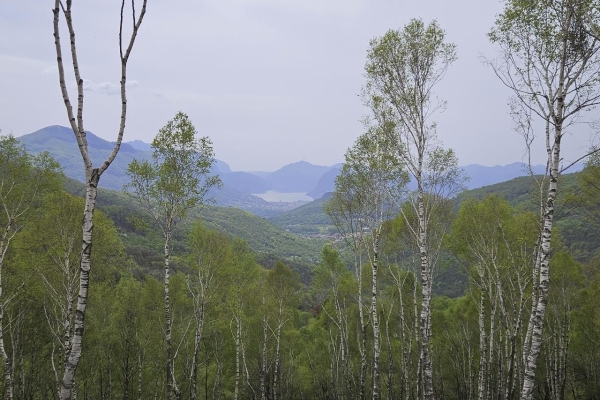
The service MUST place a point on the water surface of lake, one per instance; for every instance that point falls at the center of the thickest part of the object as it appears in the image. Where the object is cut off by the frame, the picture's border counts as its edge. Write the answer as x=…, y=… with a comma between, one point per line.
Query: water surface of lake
x=274, y=196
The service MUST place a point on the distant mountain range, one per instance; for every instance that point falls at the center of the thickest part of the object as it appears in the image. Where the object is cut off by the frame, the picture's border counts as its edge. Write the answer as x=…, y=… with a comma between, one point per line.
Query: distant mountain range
x=239, y=187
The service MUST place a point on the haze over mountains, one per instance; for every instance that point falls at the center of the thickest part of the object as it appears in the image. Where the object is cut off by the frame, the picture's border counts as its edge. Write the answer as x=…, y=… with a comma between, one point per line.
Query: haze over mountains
x=239, y=187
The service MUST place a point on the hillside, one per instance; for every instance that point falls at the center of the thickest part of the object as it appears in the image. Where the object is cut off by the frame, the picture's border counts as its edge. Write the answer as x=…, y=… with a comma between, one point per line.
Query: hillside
x=581, y=237
x=144, y=243
x=262, y=235
x=308, y=219
x=60, y=143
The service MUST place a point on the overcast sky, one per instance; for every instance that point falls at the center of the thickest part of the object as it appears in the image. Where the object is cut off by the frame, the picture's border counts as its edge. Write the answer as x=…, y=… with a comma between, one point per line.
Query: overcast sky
x=270, y=81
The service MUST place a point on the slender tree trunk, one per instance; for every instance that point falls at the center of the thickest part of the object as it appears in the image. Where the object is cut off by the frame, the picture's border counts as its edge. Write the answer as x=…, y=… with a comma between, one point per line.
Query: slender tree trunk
x=8, y=379
x=344, y=356
x=404, y=343
x=544, y=255
x=417, y=338
x=74, y=353
x=390, y=359
x=263, y=359
x=277, y=357
x=374, y=317
x=238, y=334
x=362, y=340
x=140, y=366
x=197, y=339
x=491, y=349
x=425, y=306
x=481, y=384
x=168, y=324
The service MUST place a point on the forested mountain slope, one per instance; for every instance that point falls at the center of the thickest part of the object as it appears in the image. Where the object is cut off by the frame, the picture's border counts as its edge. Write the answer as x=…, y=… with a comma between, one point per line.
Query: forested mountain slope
x=581, y=237
x=144, y=242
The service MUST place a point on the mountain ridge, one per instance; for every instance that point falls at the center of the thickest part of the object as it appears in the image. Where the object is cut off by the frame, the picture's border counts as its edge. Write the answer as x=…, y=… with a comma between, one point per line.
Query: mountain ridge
x=239, y=186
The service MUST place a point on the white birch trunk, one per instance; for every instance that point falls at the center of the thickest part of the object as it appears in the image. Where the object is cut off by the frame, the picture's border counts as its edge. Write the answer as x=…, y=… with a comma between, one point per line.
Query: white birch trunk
x=425, y=304
x=263, y=358
x=375, y=319
x=544, y=278
x=75, y=345
x=168, y=323
x=277, y=356
x=362, y=337
x=481, y=378
x=8, y=378
x=7, y=361
x=238, y=329
x=197, y=338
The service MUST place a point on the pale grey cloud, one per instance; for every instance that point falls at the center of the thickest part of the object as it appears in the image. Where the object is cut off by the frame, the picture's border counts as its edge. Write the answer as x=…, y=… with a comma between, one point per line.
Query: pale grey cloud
x=52, y=70
x=108, y=88
x=270, y=81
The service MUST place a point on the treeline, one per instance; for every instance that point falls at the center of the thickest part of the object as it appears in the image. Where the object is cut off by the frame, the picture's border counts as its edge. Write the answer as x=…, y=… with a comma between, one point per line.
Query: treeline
x=242, y=331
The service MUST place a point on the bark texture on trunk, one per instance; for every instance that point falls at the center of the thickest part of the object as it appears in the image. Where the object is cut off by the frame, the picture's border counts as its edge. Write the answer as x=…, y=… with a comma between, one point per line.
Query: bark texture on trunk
x=238, y=334
x=481, y=378
x=374, y=317
x=7, y=360
x=544, y=261
x=74, y=354
x=197, y=338
x=362, y=337
x=168, y=323
x=426, y=300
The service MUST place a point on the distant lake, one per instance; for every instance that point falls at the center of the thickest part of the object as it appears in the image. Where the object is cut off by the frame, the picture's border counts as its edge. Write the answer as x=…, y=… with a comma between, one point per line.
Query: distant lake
x=274, y=196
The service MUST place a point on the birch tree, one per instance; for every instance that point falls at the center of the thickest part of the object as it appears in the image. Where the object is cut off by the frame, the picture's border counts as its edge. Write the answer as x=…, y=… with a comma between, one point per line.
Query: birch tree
x=284, y=284
x=209, y=259
x=552, y=65
x=372, y=177
x=245, y=271
x=92, y=174
x=344, y=214
x=168, y=187
x=333, y=278
x=402, y=70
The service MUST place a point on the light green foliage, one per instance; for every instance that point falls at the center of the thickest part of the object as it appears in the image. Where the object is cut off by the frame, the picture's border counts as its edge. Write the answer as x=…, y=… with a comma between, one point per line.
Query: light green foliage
x=331, y=275
x=372, y=170
x=492, y=223
x=550, y=59
x=370, y=183
x=402, y=69
x=24, y=179
x=209, y=250
x=544, y=26
x=588, y=196
x=178, y=177
x=393, y=59
x=284, y=284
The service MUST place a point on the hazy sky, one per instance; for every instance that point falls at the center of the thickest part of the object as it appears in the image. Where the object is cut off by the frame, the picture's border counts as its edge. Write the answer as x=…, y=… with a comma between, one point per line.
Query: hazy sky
x=270, y=81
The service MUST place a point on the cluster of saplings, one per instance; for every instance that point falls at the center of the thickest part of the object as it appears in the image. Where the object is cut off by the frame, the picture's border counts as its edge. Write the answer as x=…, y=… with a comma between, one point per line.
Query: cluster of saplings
x=74, y=323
